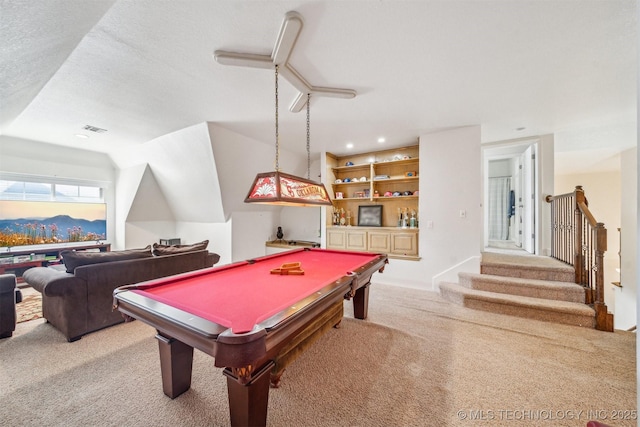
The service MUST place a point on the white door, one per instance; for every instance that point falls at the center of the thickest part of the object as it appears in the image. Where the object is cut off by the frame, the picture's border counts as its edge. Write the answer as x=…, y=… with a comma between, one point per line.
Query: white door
x=518, y=187
x=526, y=202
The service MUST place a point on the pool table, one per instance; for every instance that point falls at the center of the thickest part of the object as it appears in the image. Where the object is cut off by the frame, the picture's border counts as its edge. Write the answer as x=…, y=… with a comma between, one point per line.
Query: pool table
x=251, y=316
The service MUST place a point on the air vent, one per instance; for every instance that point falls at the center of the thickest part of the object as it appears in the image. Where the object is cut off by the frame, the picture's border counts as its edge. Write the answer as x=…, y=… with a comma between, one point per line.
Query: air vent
x=94, y=129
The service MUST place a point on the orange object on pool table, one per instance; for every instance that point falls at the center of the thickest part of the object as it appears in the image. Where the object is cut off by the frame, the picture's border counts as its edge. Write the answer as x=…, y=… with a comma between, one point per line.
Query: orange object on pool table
x=287, y=268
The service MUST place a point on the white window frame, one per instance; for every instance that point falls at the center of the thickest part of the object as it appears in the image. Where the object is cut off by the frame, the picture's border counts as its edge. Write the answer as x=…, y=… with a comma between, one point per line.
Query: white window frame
x=53, y=181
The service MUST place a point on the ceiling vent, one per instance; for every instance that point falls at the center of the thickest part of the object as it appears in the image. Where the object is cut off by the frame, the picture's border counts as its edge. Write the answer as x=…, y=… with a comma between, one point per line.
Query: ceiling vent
x=94, y=129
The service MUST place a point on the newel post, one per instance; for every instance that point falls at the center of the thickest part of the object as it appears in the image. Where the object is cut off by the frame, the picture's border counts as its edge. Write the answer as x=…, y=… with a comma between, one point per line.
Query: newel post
x=600, y=249
x=604, y=319
x=578, y=257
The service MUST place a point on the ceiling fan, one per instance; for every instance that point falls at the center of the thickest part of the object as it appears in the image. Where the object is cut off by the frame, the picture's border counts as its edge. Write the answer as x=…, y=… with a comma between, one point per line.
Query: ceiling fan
x=291, y=27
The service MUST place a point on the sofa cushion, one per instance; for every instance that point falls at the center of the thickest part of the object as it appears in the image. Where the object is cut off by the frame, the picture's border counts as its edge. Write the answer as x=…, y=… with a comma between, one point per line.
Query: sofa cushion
x=160, y=250
x=73, y=259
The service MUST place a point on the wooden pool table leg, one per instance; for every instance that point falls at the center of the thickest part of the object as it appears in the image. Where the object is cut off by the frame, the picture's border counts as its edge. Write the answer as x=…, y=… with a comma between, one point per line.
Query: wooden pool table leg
x=248, y=402
x=176, y=361
x=361, y=302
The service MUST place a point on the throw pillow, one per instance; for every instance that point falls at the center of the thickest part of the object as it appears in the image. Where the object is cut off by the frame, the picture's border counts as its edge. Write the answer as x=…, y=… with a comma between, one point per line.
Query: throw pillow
x=73, y=259
x=160, y=250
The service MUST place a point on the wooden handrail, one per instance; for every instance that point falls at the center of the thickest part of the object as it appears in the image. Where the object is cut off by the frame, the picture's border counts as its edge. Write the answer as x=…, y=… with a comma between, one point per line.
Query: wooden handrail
x=579, y=240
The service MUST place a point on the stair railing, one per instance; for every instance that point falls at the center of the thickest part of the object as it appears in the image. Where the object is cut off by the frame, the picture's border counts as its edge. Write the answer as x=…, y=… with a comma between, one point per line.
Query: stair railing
x=579, y=240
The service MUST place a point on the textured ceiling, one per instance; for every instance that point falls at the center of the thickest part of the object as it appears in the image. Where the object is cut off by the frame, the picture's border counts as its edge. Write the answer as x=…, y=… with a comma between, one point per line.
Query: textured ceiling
x=144, y=68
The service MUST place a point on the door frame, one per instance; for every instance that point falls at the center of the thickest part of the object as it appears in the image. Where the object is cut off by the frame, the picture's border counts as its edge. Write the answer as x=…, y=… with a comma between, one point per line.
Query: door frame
x=515, y=150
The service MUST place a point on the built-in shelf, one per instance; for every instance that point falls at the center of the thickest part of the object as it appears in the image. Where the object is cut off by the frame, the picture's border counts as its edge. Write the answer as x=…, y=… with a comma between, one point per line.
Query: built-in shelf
x=400, y=167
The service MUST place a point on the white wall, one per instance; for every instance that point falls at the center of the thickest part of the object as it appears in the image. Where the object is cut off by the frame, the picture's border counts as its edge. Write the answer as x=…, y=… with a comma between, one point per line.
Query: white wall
x=627, y=297
x=218, y=235
x=139, y=234
x=250, y=231
x=126, y=187
x=450, y=170
x=500, y=168
x=545, y=176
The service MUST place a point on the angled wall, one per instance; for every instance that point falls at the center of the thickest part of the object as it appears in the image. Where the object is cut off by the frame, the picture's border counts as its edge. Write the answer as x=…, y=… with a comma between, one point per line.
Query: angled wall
x=182, y=164
x=149, y=202
x=149, y=214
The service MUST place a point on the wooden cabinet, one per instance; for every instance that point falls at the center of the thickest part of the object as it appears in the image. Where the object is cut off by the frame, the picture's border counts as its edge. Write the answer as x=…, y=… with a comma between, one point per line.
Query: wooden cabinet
x=388, y=179
x=356, y=240
x=379, y=241
x=351, y=238
x=405, y=244
x=336, y=238
x=397, y=243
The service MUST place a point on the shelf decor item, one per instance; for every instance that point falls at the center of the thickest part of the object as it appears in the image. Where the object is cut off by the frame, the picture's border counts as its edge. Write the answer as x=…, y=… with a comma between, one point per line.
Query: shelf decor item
x=370, y=216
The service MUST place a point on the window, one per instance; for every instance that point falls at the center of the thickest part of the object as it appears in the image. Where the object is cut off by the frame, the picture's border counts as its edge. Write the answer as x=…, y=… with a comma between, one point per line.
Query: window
x=34, y=212
x=53, y=192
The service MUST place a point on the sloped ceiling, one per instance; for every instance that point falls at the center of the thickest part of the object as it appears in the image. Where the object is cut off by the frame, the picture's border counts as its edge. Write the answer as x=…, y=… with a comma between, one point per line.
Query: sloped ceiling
x=184, y=172
x=142, y=69
x=37, y=38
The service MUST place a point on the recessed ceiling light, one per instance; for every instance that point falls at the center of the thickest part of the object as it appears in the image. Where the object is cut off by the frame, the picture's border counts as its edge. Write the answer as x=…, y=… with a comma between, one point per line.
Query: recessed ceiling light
x=381, y=140
x=349, y=145
x=80, y=135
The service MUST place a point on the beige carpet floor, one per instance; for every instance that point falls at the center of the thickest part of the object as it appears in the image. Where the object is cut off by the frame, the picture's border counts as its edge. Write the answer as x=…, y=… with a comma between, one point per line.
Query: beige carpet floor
x=417, y=361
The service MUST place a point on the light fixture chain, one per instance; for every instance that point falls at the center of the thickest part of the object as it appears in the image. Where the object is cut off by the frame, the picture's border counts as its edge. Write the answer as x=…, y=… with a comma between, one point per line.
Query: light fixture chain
x=277, y=135
x=308, y=137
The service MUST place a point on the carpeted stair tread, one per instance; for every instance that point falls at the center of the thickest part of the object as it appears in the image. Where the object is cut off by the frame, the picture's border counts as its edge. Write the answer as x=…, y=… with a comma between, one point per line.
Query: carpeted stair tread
x=535, y=288
x=570, y=313
x=524, y=261
x=530, y=267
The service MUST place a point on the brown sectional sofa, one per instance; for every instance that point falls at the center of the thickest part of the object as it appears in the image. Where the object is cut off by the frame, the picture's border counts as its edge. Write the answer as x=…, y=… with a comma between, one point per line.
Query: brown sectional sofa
x=81, y=302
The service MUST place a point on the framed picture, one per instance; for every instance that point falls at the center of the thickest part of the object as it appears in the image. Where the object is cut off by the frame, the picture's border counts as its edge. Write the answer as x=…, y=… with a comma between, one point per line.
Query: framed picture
x=370, y=216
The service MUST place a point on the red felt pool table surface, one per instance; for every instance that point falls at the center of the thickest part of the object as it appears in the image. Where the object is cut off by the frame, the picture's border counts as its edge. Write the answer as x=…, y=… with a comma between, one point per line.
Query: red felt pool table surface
x=244, y=294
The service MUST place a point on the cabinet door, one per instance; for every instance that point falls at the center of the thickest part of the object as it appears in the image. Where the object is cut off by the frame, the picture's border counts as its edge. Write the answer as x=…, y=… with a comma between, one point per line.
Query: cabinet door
x=336, y=239
x=356, y=240
x=379, y=241
x=404, y=243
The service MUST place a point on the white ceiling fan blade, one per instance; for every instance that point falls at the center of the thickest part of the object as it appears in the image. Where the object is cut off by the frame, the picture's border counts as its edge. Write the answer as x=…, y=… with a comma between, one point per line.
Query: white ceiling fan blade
x=291, y=27
x=243, y=59
x=332, y=92
x=287, y=38
x=301, y=100
x=299, y=103
x=296, y=80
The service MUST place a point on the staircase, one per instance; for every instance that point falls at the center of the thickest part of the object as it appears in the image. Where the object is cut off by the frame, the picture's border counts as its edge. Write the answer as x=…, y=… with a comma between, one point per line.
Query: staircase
x=528, y=286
